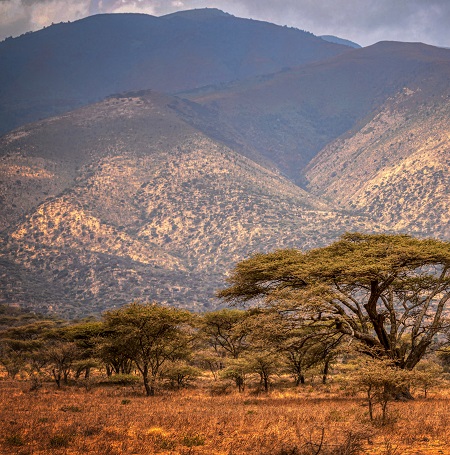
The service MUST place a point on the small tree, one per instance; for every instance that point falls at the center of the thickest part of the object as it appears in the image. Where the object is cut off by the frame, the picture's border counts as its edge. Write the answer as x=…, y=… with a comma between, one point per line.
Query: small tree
x=264, y=362
x=61, y=356
x=226, y=331
x=180, y=374
x=238, y=370
x=381, y=380
x=13, y=356
x=150, y=335
x=427, y=375
x=86, y=337
x=21, y=346
x=208, y=359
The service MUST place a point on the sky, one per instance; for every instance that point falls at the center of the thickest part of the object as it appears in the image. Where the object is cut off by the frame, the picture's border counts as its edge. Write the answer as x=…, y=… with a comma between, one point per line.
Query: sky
x=363, y=21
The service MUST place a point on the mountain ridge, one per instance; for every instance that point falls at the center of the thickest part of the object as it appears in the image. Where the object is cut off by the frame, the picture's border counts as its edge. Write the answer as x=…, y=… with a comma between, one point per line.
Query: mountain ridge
x=67, y=65
x=291, y=115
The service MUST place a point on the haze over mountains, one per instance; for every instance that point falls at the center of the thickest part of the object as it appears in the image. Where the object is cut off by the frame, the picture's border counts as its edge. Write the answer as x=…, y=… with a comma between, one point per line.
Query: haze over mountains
x=146, y=195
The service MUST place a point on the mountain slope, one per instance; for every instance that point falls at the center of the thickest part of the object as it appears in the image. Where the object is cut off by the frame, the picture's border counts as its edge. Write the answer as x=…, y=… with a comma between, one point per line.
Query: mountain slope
x=337, y=40
x=147, y=208
x=71, y=64
x=290, y=116
x=150, y=196
x=394, y=167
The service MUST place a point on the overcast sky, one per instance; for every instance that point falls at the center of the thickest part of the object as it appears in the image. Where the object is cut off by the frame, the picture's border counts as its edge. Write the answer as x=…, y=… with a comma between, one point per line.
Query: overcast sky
x=362, y=21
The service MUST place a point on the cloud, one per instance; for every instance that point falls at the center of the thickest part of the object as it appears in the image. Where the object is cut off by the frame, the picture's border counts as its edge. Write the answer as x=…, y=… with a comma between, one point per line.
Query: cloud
x=363, y=21
x=47, y=12
x=20, y=16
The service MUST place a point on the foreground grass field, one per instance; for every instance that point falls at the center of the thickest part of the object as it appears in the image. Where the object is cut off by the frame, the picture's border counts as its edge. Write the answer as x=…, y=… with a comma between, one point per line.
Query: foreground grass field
x=120, y=420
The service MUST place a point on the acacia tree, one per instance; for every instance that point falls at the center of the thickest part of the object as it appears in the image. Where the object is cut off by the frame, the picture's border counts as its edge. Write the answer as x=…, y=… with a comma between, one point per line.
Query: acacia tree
x=86, y=336
x=378, y=378
x=227, y=332
x=21, y=346
x=387, y=291
x=61, y=356
x=301, y=344
x=150, y=335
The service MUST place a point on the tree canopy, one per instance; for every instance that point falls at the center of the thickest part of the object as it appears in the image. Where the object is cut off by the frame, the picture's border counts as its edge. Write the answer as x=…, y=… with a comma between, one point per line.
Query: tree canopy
x=390, y=292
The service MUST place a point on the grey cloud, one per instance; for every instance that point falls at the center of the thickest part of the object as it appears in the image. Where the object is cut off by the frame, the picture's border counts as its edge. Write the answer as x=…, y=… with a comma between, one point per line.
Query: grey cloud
x=363, y=21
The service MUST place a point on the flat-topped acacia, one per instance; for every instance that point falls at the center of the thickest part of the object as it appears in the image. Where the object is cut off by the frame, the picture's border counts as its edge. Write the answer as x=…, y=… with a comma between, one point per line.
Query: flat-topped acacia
x=390, y=292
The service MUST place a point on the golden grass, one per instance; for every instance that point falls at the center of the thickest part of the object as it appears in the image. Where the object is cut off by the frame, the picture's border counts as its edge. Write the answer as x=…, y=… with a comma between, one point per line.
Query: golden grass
x=118, y=420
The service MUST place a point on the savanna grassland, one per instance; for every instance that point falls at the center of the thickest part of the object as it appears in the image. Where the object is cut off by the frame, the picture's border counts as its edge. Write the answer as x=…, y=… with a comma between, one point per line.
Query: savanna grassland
x=311, y=419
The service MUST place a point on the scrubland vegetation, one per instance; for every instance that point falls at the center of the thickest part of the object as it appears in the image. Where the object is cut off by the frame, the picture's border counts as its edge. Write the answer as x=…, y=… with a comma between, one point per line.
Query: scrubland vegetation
x=346, y=353
x=228, y=382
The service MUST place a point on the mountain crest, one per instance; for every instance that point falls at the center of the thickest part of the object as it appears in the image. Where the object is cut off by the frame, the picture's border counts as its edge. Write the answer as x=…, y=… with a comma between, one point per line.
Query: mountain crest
x=199, y=14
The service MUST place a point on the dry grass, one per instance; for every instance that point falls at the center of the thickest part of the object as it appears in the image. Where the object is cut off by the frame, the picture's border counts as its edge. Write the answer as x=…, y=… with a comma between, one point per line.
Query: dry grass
x=118, y=420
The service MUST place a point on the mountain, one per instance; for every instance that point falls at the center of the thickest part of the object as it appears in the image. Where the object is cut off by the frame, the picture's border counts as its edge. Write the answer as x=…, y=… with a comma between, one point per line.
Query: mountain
x=337, y=40
x=68, y=65
x=124, y=200
x=149, y=195
x=290, y=116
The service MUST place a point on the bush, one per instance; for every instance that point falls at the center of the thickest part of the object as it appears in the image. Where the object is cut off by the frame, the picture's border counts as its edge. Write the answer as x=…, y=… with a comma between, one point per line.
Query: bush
x=382, y=383
x=193, y=440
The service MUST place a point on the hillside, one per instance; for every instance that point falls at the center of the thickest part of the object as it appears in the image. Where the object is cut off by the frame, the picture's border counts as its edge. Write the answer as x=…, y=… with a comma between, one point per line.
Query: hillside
x=290, y=116
x=68, y=65
x=394, y=167
x=152, y=209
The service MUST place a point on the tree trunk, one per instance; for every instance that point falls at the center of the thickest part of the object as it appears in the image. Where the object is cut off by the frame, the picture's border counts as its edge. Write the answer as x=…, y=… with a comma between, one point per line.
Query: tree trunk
x=240, y=383
x=149, y=385
x=78, y=373
x=398, y=393
x=266, y=383
x=149, y=390
x=402, y=394
x=325, y=371
x=57, y=377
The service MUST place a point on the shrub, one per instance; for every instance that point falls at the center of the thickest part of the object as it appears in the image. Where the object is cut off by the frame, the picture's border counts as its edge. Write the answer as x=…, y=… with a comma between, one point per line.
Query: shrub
x=15, y=439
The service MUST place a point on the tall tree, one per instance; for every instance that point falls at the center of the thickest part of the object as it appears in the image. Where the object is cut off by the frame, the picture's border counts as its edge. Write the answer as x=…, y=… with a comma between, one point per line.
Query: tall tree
x=390, y=292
